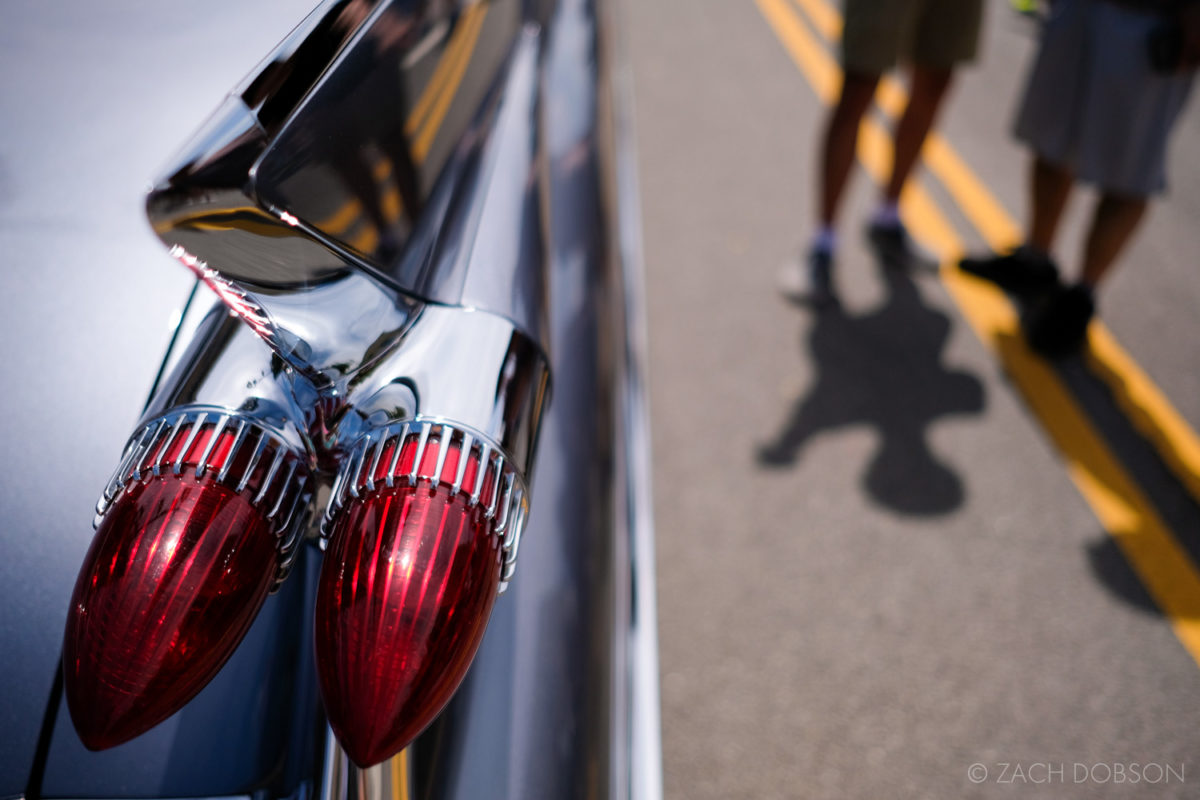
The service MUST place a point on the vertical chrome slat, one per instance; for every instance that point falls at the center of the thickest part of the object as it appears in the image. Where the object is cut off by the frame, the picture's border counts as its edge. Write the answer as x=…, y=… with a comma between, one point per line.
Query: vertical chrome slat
x=444, y=441
x=126, y=464
x=118, y=479
x=233, y=448
x=253, y=463
x=352, y=471
x=166, y=445
x=283, y=489
x=505, y=501
x=510, y=557
x=464, y=455
x=197, y=424
x=513, y=524
x=287, y=520
x=262, y=492
x=391, y=470
x=214, y=437
x=485, y=454
x=496, y=487
x=335, y=494
x=375, y=461
x=144, y=448
x=420, y=454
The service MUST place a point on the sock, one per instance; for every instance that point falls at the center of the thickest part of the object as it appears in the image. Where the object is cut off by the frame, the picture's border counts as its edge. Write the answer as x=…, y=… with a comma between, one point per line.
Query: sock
x=887, y=215
x=825, y=241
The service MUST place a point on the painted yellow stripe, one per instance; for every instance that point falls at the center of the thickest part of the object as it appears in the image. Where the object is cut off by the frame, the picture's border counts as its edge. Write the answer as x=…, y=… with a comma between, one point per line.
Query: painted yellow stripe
x=1143, y=402
x=824, y=18
x=424, y=138
x=823, y=75
x=1125, y=513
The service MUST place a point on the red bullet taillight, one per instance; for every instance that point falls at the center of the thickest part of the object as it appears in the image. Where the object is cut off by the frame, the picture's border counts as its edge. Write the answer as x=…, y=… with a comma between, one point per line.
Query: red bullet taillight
x=190, y=540
x=423, y=521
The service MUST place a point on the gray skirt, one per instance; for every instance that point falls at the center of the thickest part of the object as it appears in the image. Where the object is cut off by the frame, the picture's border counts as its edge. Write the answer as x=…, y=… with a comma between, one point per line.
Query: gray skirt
x=1094, y=105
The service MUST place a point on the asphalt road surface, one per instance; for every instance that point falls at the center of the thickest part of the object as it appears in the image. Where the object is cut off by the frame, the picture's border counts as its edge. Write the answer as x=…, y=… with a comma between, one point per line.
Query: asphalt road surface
x=899, y=555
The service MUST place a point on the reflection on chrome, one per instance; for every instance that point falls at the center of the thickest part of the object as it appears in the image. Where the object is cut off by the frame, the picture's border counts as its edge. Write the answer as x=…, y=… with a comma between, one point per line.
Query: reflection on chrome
x=381, y=238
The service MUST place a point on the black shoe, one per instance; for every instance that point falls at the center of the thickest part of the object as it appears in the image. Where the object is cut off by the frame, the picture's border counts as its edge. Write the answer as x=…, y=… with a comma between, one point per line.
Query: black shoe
x=1057, y=326
x=1023, y=272
x=820, y=278
x=895, y=248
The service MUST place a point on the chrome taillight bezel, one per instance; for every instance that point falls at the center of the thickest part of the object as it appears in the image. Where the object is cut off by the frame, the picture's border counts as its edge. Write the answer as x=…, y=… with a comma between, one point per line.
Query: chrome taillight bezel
x=283, y=493
x=507, y=505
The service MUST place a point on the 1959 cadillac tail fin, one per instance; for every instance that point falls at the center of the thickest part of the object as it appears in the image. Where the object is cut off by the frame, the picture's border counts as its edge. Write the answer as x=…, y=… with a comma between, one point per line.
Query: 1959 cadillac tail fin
x=408, y=221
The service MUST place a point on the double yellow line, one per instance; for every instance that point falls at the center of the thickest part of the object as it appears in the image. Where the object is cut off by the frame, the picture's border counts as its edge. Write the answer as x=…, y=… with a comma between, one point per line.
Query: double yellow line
x=1161, y=564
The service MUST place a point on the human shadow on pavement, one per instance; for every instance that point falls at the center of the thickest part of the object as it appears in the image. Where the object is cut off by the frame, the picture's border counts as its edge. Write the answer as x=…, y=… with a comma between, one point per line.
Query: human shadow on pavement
x=1118, y=447
x=884, y=370
x=1110, y=567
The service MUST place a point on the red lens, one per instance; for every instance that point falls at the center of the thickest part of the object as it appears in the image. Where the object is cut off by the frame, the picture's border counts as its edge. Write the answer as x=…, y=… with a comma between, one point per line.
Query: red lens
x=176, y=573
x=405, y=593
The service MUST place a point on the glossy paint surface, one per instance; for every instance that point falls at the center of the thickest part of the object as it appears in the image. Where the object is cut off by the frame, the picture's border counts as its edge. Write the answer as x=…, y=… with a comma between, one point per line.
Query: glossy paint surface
x=94, y=100
x=408, y=584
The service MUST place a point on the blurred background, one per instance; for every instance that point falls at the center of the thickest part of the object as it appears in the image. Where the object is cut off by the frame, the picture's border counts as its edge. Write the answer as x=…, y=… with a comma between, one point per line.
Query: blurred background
x=893, y=543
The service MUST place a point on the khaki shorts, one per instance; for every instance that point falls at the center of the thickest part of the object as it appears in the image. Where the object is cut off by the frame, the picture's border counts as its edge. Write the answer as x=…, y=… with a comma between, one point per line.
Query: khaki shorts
x=929, y=33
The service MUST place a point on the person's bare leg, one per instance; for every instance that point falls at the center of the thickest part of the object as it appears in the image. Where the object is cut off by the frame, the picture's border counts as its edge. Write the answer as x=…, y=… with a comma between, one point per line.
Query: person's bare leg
x=841, y=142
x=1049, y=189
x=1030, y=271
x=1113, y=224
x=1059, y=326
x=929, y=87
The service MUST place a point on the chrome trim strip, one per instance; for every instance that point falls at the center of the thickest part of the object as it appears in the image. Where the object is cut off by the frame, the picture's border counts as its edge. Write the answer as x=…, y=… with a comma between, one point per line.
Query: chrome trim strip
x=341, y=779
x=216, y=797
x=645, y=723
